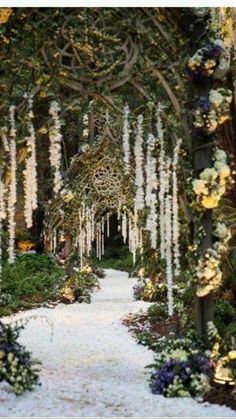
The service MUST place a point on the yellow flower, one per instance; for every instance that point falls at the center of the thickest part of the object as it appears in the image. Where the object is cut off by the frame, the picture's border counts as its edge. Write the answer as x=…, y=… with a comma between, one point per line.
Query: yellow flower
x=223, y=118
x=2, y=354
x=232, y=355
x=224, y=171
x=87, y=268
x=211, y=201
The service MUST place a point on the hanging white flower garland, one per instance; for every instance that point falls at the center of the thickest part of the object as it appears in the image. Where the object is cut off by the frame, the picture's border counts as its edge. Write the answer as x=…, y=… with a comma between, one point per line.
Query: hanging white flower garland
x=175, y=208
x=151, y=190
x=12, y=187
x=126, y=144
x=55, y=146
x=161, y=172
x=139, y=159
x=30, y=172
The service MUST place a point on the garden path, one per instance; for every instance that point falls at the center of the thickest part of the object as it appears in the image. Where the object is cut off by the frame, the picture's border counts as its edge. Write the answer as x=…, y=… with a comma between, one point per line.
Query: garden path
x=93, y=366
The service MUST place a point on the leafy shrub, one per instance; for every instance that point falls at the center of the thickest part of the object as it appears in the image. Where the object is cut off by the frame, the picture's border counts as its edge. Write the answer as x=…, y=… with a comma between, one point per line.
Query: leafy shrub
x=16, y=365
x=224, y=314
x=146, y=290
x=157, y=311
x=78, y=287
x=31, y=280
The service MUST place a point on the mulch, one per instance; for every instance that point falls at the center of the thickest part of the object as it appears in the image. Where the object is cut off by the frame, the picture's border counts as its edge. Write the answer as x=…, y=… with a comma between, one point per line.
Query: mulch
x=222, y=395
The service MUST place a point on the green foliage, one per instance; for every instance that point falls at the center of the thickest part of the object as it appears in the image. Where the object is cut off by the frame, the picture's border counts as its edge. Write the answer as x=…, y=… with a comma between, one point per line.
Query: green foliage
x=157, y=311
x=16, y=364
x=32, y=279
x=78, y=287
x=118, y=258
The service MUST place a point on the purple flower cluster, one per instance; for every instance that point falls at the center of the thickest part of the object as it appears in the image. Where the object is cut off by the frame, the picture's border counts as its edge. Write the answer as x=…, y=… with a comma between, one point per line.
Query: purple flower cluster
x=166, y=374
x=196, y=363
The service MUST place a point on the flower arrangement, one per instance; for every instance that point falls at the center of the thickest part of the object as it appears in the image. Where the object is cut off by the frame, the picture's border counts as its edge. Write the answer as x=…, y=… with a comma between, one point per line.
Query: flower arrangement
x=16, y=365
x=213, y=182
x=210, y=61
x=212, y=111
x=182, y=370
x=208, y=273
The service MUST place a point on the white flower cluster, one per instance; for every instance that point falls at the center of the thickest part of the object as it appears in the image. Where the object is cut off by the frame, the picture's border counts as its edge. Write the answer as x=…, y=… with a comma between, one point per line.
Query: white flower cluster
x=208, y=273
x=126, y=144
x=30, y=172
x=139, y=161
x=55, y=146
x=213, y=182
x=11, y=204
x=223, y=233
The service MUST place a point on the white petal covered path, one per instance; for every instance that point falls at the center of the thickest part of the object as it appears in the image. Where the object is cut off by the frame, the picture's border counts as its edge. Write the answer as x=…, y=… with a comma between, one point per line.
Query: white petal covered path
x=93, y=367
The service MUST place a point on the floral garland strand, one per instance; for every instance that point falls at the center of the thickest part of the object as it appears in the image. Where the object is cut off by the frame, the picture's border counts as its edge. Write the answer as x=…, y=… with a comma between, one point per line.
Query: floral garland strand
x=12, y=188
x=161, y=173
x=168, y=253
x=151, y=190
x=2, y=217
x=175, y=208
x=139, y=159
x=30, y=172
x=55, y=146
x=126, y=144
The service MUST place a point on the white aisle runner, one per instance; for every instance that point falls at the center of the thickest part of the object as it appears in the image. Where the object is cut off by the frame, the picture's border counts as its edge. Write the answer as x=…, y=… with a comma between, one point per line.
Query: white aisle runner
x=93, y=367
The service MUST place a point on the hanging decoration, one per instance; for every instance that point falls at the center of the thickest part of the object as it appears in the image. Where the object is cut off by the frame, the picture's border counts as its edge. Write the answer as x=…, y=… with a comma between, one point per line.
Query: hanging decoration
x=161, y=173
x=139, y=160
x=175, y=208
x=12, y=187
x=55, y=146
x=30, y=172
x=126, y=144
x=151, y=190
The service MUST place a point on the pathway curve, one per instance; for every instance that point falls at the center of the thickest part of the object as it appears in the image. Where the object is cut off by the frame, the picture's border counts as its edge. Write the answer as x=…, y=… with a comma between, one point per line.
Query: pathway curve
x=93, y=366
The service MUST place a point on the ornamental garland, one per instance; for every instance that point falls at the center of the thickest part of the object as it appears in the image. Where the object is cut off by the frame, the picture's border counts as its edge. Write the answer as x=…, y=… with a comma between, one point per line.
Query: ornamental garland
x=125, y=138
x=213, y=182
x=161, y=173
x=175, y=208
x=151, y=190
x=11, y=204
x=139, y=159
x=2, y=217
x=30, y=172
x=55, y=146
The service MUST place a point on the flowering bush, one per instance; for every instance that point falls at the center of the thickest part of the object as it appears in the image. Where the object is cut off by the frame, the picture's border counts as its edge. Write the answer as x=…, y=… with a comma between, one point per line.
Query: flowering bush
x=209, y=61
x=212, y=111
x=213, y=182
x=16, y=365
x=78, y=287
x=181, y=370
